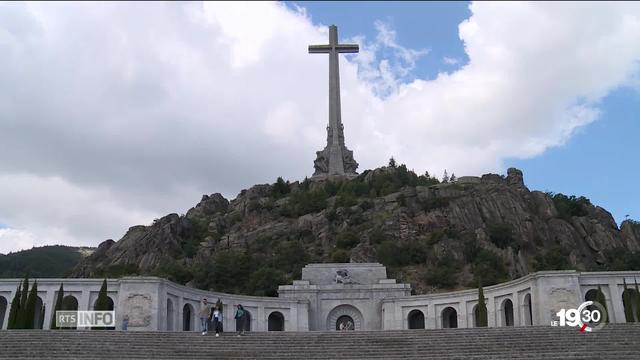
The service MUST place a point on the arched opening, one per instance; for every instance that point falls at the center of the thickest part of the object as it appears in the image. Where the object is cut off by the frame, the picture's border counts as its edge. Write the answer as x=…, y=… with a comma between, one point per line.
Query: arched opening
x=476, y=316
x=344, y=323
x=4, y=303
x=187, y=317
x=110, y=305
x=528, y=313
x=449, y=318
x=630, y=295
x=169, y=315
x=70, y=303
x=507, y=313
x=416, y=319
x=247, y=322
x=351, y=312
x=591, y=295
x=275, y=321
x=38, y=315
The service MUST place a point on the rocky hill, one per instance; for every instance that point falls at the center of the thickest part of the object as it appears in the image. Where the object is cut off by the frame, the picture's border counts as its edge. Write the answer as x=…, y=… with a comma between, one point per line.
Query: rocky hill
x=433, y=235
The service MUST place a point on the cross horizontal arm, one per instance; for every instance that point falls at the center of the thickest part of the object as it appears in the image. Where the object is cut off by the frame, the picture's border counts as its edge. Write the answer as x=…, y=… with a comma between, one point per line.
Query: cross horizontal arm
x=347, y=48
x=317, y=49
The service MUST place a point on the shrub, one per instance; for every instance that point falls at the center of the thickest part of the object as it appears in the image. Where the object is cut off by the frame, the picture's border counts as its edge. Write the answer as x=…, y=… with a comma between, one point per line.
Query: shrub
x=390, y=254
x=501, y=235
x=340, y=256
x=280, y=188
x=490, y=267
x=347, y=240
x=305, y=202
x=265, y=281
x=556, y=258
x=433, y=203
x=569, y=206
x=443, y=274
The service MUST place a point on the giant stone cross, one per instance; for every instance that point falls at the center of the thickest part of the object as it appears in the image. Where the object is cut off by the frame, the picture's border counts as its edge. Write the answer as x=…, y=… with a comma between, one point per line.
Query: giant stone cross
x=335, y=158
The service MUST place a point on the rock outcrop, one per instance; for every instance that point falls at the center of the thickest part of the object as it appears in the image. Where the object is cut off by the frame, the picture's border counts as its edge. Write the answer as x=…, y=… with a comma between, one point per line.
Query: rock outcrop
x=477, y=225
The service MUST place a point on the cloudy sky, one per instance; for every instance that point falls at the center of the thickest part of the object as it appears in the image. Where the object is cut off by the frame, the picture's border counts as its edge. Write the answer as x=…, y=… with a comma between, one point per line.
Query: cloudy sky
x=114, y=114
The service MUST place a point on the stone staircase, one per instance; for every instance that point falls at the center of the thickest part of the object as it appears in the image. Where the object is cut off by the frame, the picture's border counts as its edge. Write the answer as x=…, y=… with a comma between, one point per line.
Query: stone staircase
x=615, y=341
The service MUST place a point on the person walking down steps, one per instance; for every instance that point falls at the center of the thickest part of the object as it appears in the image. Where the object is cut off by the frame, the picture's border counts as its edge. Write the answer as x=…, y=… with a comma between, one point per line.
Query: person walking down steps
x=241, y=319
x=205, y=308
x=216, y=317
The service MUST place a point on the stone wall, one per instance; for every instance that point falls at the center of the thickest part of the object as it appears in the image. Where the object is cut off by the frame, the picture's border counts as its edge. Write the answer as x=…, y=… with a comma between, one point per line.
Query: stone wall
x=316, y=303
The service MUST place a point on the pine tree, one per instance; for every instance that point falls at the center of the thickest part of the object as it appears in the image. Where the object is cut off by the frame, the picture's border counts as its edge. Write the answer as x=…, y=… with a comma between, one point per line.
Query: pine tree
x=445, y=177
x=102, y=303
x=20, y=321
x=57, y=307
x=627, y=299
x=392, y=163
x=452, y=178
x=602, y=301
x=28, y=316
x=482, y=307
x=15, y=309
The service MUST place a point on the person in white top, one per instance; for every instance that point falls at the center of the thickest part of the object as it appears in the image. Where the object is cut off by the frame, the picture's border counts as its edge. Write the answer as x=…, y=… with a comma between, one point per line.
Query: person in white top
x=217, y=320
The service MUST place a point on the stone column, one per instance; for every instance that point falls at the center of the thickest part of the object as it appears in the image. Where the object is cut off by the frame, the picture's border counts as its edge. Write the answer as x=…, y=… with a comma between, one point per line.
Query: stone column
x=179, y=305
x=615, y=308
x=462, y=315
x=50, y=303
x=431, y=321
x=491, y=311
x=517, y=308
x=261, y=321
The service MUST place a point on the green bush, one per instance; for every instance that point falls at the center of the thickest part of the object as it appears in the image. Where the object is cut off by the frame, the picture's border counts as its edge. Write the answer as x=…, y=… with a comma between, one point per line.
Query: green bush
x=556, y=258
x=443, y=274
x=433, y=203
x=280, y=188
x=265, y=281
x=489, y=267
x=501, y=235
x=347, y=240
x=569, y=206
x=340, y=256
x=305, y=202
x=390, y=254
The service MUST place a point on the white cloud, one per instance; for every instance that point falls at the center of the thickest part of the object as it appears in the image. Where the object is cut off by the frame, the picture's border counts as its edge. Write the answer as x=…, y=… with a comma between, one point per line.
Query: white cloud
x=111, y=115
x=450, y=61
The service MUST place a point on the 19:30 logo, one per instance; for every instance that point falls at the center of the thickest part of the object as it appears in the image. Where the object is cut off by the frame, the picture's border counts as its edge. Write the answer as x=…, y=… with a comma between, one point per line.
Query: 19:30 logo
x=589, y=316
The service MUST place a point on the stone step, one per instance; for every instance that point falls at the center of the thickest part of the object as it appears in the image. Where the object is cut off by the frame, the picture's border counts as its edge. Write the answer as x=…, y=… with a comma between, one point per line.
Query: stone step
x=616, y=341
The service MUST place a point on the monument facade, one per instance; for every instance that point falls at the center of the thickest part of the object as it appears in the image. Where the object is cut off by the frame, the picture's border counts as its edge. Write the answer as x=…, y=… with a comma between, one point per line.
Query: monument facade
x=335, y=159
x=334, y=297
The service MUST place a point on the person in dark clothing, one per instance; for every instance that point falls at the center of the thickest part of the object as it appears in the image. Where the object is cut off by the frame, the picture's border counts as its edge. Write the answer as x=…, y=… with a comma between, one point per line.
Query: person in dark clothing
x=241, y=318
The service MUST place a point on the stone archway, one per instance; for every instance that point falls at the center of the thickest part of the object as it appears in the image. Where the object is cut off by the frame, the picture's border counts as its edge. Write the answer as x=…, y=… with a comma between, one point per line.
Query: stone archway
x=170, y=315
x=275, y=321
x=631, y=296
x=4, y=304
x=415, y=319
x=449, y=318
x=344, y=313
x=110, y=304
x=38, y=316
x=528, y=311
x=507, y=312
x=70, y=303
x=188, y=318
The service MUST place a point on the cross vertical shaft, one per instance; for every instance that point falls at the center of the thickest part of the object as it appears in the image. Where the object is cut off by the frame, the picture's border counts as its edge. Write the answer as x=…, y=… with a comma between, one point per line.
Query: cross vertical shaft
x=335, y=159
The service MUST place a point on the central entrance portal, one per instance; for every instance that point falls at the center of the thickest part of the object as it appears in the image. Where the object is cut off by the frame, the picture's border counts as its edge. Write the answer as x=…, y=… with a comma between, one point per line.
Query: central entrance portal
x=345, y=322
